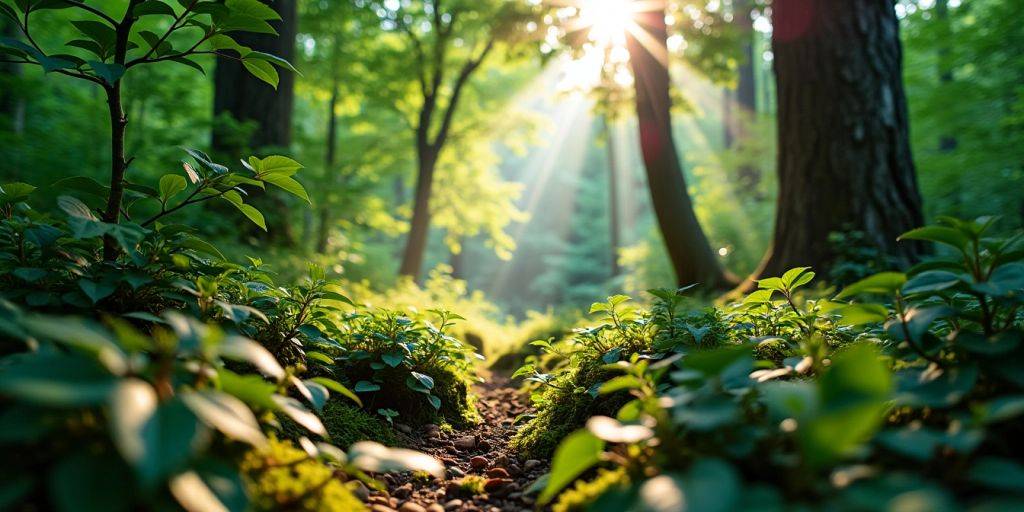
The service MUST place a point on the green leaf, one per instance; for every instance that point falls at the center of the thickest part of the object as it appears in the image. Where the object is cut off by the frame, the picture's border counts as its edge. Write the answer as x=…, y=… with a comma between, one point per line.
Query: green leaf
x=419, y=382
x=884, y=283
x=15, y=192
x=577, y=453
x=56, y=380
x=435, y=402
x=262, y=70
x=275, y=164
x=791, y=276
x=860, y=314
x=227, y=414
x=110, y=73
x=96, y=291
x=365, y=386
x=153, y=7
x=300, y=414
x=939, y=234
x=200, y=245
x=998, y=473
x=394, y=358
x=30, y=275
x=251, y=213
x=931, y=281
x=75, y=208
x=288, y=184
x=171, y=185
x=377, y=458
x=273, y=59
x=337, y=387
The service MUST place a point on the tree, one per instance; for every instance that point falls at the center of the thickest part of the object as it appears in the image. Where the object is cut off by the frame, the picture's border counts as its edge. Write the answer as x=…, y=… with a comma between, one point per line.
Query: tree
x=263, y=106
x=111, y=45
x=444, y=44
x=844, y=150
x=692, y=258
x=741, y=103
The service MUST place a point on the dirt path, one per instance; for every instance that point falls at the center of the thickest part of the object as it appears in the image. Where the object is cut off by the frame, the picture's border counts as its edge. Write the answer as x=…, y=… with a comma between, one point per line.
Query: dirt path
x=481, y=451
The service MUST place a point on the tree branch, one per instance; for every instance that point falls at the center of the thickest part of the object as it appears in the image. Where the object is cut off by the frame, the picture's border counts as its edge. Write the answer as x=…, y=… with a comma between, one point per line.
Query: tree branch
x=174, y=26
x=460, y=83
x=97, y=12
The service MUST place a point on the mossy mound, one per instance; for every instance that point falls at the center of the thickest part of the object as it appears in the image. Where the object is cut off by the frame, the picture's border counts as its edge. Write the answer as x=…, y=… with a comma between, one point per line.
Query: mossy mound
x=567, y=407
x=347, y=425
x=451, y=387
x=283, y=477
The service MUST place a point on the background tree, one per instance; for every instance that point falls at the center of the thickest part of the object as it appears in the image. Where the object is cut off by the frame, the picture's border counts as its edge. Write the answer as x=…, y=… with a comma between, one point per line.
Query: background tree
x=844, y=147
x=688, y=247
x=263, y=107
x=444, y=44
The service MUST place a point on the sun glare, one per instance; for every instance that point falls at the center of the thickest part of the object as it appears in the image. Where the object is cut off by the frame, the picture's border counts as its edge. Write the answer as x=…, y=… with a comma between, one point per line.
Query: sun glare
x=608, y=21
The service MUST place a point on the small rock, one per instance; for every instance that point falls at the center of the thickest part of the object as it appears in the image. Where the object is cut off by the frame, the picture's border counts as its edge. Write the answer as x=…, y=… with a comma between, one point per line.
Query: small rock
x=495, y=484
x=531, y=464
x=497, y=473
x=484, y=444
x=435, y=507
x=360, y=491
x=501, y=461
x=405, y=429
x=381, y=508
x=478, y=462
x=402, y=492
x=453, y=505
x=465, y=443
x=379, y=500
x=411, y=507
x=454, y=472
x=514, y=469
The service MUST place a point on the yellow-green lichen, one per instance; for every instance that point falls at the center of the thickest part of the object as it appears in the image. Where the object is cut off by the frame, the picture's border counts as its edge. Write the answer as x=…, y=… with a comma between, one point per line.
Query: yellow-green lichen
x=283, y=477
x=585, y=492
x=347, y=425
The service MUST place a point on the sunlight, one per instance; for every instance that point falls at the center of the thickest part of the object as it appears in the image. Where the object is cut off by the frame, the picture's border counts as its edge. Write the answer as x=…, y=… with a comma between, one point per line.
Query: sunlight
x=609, y=20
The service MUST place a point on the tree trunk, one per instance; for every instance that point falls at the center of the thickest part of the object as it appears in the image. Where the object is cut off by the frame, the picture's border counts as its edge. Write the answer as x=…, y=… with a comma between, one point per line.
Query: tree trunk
x=844, y=151
x=329, y=161
x=457, y=260
x=947, y=142
x=246, y=98
x=688, y=247
x=12, y=101
x=614, y=219
x=419, y=226
x=741, y=103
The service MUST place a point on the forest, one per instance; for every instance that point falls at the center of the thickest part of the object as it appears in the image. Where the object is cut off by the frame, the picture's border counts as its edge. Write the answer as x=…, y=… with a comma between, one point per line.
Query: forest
x=511, y=255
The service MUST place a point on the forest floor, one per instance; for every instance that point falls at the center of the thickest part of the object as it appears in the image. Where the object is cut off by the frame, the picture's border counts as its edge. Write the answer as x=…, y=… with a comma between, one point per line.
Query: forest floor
x=475, y=457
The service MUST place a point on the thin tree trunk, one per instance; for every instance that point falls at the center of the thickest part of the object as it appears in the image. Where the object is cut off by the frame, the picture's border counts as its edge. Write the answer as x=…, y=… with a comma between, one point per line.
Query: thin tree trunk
x=688, y=247
x=614, y=220
x=12, y=101
x=329, y=161
x=419, y=225
x=457, y=260
x=844, y=149
x=741, y=103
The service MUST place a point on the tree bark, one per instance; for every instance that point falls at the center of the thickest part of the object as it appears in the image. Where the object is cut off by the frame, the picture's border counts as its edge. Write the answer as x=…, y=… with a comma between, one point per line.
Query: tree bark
x=741, y=103
x=12, y=101
x=688, y=247
x=246, y=98
x=419, y=225
x=844, y=150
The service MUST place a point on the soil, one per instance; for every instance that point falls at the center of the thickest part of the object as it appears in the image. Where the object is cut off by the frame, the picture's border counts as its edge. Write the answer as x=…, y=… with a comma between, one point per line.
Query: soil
x=481, y=451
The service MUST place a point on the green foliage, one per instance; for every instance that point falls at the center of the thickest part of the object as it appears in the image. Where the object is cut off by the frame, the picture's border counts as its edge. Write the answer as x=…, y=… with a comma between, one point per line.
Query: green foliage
x=347, y=425
x=876, y=395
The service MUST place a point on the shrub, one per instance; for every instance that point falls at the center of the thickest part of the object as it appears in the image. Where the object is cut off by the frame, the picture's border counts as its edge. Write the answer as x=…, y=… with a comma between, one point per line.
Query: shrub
x=912, y=395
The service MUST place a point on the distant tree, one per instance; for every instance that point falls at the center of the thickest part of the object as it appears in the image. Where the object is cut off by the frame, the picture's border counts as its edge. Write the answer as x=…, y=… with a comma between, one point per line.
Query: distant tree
x=441, y=45
x=688, y=247
x=844, y=149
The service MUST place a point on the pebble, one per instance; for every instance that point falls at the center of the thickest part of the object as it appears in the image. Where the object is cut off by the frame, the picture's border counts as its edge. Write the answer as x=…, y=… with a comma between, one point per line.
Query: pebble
x=435, y=507
x=360, y=491
x=478, y=462
x=402, y=492
x=465, y=443
x=494, y=484
x=531, y=464
x=454, y=472
x=381, y=508
x=453, y=505
x=411, y=507
x=405, y=429
x=497, y=473
x=500, y=461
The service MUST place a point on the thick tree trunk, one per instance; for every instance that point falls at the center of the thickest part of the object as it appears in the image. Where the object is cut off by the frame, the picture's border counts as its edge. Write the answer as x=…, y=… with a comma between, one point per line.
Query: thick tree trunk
x=246, y=98
x=688, y=247
x=614, y=219
x=844, y=151
x=419, y=225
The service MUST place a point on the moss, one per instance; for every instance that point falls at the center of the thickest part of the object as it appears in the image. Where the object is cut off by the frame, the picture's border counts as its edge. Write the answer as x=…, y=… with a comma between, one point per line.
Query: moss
x=347, y=425
x=283, y=477
x=566, y=408
x=471, y=485
x=453, y=389
x=585, y=493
